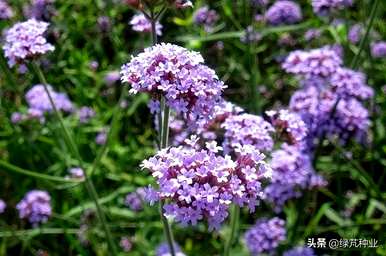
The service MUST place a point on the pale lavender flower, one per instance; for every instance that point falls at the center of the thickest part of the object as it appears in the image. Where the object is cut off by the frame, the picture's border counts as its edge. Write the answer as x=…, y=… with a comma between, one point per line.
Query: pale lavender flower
x=38, y=99
x=250, y=35
x=104, y=24
x=35, y=206
x=312, y=34
x=247, y=129
x=76, y=173
x=112, y=77
x=39, y=9
x=324, y=7
x=140, y=23
x=283, y=12
x=378, y=49
x=101, y=138
x=25, y=40
x=2, y=206
x=265, y=235
x=126, y=244
x=5, y=10
x=85, y=114
x=300, y=251
x=206, y=17
x=182, y=4
x=277, y=194
x=190, y=88
x=201, y=185
x=134, y=200
x=163, y=250
x=16, y=117
x=355, y=34
x=93, y=65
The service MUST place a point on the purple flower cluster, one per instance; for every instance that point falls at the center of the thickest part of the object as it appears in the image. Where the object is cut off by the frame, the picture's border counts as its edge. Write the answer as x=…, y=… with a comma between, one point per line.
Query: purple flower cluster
x=190, y=88
x=312, y=34
x=39, y=9
x=205, y=16
x=163, y=250
x=140, y=23
x=85, y=114
x=289, y=125
x=5, y=10
x=200, y=184
x=321, y=62
x=355, y=34
x=265, y=235
x=247, y=129
x=283, y=12
x=300, y=251
x=35, y=206
x=134, y=200
x=25, y=40
x=2, y=206
x=76, y=173
x=39, y=103
x=324, y=7
x=378, y=49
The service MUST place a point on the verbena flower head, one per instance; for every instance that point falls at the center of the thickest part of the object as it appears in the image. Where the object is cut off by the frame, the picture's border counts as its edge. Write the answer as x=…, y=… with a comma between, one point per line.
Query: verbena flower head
x=283, y=12
x=25, y=40
x=320, y=62
x=378, y=50
x=300, y=251
x=324, y=7
x=104, y=24
x=126, y=244
x=289, y=125
x=39, y=9
x=265, y=235
x=140, y=23
x=101, y=138
x=355, y=34
x=112, y=77
x=35, y=206
x=134, y=200
x=247, y=129
x=85, y=114
x=2, y=206
x=347, y=82
x=312, y=34
x=250, y=35
x=205, y=16
x=5, y=10
x=163, y=250
x=17, y=117
x=200, y=184
x=38, y=99
x=190, y=88
x=76, y=173
x=277, y=194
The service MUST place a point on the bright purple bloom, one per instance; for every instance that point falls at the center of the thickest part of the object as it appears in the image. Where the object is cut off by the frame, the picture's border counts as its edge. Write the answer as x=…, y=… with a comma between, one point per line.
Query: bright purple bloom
x=76, y=173
x=300, y=251
x=85, y=114
x=134, y=200
x=283, y=12
x=247, y=129
x=2, y=206
x=190, y=88
x=140, y=23
x=378, y=49
x=265, y=235
x=38, y=99
x=205, y=16
x=35, y=206
x=324, y=7
x=5, y=10
x=288, y=124
x=163, y=250
x=201, y=184
x=25, y=40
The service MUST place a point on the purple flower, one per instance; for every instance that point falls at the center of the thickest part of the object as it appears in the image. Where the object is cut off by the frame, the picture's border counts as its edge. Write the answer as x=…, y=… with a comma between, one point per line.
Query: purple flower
x=261, y=3
x=104, y=24
x=2, y=206
x=300, y=251
x=35, y=206
x=247, y=129
x=112, y=77
x=355, y=34
x=250, y=35
x=126, y=244
x=85, y=114
x=205, y=16
x=283, y=12
x=277, y=194
x=265, y=235
x=5, y=10
x=201, y=184
x=324, y=7
x=140, y=23
x=312, y=34
x=190, y=88
x=39, y=9
x=378, y=49
x=134, y=200
x=288, y=124
x=16, y=117
x=163, y=250
x=38, y=99
x=101, y=138
x=317, y=62
x=76, y=173
x=25, y=40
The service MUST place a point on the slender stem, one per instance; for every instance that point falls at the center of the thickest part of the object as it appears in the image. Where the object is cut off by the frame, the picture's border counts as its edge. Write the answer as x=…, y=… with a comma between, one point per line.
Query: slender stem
x=234, y=226
x=75, y=152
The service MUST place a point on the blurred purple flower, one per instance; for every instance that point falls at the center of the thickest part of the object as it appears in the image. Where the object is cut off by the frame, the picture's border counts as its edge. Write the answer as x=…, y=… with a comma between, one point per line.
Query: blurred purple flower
x=39, y=9
x=312, y=34
x=134, y=200
x=355, y=34
x=112, y=77
x=250, y=35
x=206, y=17
x=283, y=12
x=16, y=117
x=163, y=250
x=2, y=206
x=324, y=7
x=104, y=24
x=101, y=138
x=126, y=244
x=5, y=10
x=35, y=206
x=378, y=49
x=300, y=251
x=140, y=23
x=76, y=173
x=85, y=114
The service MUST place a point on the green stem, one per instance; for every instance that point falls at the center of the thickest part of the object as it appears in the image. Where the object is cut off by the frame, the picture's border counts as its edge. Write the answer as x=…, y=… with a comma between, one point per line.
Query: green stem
x=234, y=226
x=74, y=151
